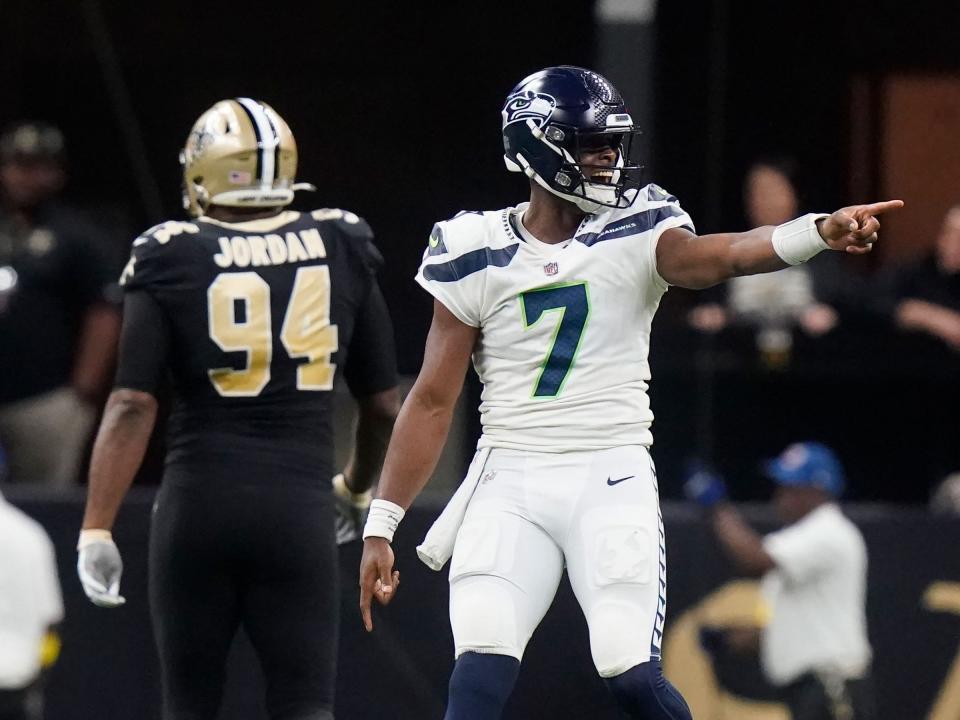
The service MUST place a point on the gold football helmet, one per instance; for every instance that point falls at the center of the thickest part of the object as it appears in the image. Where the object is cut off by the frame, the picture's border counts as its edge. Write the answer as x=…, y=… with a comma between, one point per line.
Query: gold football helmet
x=240, y=153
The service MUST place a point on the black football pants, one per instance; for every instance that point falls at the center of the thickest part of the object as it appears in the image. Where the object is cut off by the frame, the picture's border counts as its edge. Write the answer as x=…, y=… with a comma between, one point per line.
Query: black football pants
x=14, y=705
x=809, y=699
x=225, y=555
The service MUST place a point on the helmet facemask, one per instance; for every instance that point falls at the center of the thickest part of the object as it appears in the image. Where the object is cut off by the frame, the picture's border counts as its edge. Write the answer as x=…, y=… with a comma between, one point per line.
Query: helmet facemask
x=557, y=152
x=599, y=183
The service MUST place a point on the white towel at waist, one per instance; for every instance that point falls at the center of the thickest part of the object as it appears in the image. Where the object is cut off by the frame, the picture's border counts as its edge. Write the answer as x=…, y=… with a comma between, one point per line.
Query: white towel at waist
x=437, y=546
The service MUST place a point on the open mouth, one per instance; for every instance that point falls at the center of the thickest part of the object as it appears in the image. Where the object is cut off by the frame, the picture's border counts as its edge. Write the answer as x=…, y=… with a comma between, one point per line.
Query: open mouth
x=602, y=177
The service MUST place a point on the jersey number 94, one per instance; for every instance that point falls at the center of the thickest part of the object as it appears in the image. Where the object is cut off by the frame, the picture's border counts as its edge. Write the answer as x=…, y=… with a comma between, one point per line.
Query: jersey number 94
x=306, y=332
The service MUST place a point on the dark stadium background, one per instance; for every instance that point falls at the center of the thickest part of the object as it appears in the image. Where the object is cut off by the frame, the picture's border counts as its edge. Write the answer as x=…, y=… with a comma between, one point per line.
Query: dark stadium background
x=395, y=107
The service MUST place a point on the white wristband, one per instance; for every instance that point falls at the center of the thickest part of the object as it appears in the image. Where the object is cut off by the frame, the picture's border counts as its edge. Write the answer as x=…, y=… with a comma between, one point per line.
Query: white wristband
x=799, y=240
x=383, y=519
x=89, y=537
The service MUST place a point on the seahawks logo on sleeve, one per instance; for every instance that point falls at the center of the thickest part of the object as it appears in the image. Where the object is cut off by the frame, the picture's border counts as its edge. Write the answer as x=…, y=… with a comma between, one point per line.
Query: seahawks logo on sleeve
x=658, y=194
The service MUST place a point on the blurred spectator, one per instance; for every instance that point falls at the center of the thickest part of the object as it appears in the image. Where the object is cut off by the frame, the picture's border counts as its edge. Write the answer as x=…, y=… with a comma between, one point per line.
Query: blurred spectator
x=772, y=302
x=946, y=497
x=58, y=314
x=926, y=296
x=30, y=607
x=813, y=647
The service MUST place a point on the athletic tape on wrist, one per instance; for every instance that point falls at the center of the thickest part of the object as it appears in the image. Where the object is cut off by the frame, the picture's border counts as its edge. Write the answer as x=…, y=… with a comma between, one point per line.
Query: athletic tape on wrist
x=89, y=537
x=383, y=519
x=360, y=500
x=799, y=240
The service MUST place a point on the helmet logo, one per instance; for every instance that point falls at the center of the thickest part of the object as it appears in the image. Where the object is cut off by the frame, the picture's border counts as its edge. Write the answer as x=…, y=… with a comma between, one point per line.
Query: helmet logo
x=528, y=104
x=198, y=141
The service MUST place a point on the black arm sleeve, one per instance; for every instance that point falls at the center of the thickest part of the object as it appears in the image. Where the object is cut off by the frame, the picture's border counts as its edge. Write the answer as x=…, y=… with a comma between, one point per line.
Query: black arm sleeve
x=372, y=360
x=144, y=344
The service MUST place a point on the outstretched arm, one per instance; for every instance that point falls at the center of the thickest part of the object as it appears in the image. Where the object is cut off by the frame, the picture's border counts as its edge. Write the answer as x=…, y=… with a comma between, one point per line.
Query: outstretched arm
x=699, y=261
x=740, y=541
x=418, y=438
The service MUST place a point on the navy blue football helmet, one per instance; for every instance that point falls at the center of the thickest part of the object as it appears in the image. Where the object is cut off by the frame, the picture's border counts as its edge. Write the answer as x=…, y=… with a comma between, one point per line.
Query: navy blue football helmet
x=556, y=114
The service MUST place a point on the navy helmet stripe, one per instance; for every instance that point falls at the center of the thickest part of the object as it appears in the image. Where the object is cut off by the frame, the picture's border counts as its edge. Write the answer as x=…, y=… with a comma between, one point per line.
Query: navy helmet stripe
x=632, y=225
x=469, y=263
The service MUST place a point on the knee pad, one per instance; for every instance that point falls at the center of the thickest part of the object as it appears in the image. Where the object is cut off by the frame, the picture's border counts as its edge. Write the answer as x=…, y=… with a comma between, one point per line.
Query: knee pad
x=483, y=616
x=483, y=612
x=618, y=641
x=644, y=693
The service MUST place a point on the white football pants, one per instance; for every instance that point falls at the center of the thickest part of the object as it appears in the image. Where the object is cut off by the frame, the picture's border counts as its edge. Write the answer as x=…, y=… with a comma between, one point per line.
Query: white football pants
x=597, y=512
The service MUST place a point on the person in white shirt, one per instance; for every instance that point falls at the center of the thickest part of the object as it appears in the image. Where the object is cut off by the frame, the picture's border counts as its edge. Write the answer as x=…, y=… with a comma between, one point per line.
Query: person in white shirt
x=814, y=646
x=30, y=606
x=553, y=300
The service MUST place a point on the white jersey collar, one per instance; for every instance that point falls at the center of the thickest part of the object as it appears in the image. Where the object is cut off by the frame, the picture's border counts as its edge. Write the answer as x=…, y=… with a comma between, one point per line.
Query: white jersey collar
x=530, y=239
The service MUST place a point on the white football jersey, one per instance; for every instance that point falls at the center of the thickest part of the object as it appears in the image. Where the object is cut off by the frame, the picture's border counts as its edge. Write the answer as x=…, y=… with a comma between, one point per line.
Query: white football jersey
x=565, y=328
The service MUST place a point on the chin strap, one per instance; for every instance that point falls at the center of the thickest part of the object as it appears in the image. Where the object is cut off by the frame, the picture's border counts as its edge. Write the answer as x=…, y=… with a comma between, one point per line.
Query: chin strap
x=254, y=196
x=585, y=204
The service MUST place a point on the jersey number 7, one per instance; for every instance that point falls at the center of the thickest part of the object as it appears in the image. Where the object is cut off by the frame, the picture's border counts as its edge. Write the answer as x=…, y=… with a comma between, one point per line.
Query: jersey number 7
x=306, y=332
x=572, y=301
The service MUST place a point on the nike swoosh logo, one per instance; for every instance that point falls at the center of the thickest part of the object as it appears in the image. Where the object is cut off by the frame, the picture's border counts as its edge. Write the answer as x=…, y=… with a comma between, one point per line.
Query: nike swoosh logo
x=611, y=483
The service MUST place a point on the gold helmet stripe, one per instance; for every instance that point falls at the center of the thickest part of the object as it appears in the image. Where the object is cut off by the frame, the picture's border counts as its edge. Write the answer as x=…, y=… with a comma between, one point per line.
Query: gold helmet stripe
x=268, y=140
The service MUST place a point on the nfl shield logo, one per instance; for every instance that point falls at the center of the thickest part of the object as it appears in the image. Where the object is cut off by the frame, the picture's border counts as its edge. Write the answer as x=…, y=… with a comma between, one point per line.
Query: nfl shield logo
x=551, y=268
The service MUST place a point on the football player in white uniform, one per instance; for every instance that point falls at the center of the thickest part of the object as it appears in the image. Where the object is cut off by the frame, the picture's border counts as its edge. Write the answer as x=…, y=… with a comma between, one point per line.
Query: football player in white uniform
x=553, y=300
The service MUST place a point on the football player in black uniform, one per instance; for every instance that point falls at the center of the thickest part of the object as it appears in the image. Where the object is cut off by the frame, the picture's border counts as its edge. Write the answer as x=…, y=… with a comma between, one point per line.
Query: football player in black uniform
x=251, y=309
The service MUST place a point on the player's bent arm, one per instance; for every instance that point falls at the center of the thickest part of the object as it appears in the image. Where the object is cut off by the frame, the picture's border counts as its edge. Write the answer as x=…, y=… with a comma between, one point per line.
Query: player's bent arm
x=131, y=410
x=418, y=438
x=741, y=542
x=95, y=351
x=117, y=453
x=424, y=420
x=699, y=261
x=371, y=375
x=377, y=414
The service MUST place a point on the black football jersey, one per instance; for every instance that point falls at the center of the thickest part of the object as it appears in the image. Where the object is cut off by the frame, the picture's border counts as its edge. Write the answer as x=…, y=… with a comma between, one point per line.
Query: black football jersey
x=259, y=317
